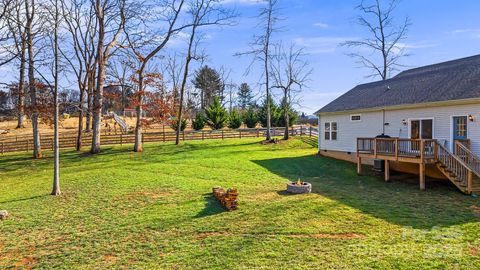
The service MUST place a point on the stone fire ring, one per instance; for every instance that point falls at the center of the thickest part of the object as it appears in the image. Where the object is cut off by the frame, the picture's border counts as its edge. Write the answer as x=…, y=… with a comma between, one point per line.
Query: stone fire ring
x=296, y=189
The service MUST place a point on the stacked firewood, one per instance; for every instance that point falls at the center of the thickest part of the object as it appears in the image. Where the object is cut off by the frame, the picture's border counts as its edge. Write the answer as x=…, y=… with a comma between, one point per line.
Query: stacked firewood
x=228, y=198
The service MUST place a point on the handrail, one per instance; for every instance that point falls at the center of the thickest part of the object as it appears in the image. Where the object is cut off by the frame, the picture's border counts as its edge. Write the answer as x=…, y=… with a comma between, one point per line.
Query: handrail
x=468, y=157
x=398, y=147
x=455, y=165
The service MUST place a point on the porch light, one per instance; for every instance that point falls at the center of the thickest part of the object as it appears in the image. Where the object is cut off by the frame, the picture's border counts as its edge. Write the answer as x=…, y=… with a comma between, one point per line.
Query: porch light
x=404, y=122
x=471, y=118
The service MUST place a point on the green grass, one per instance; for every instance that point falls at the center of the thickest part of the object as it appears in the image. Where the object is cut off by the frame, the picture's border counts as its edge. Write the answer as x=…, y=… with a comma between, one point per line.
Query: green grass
x=154, y=211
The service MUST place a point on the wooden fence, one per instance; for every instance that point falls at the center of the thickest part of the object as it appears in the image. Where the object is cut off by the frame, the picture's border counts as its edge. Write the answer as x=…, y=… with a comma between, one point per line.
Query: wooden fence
x=68, y=140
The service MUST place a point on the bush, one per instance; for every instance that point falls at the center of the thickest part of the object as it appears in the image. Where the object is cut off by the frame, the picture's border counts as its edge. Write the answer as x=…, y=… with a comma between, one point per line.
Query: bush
x=235, y=121
x=274, y=113
x=174, y=124
x=199, y=122
x=217, y=116
x=250, y=118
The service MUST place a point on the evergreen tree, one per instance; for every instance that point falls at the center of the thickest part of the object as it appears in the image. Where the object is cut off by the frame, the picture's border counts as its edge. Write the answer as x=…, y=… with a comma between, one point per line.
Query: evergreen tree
x=217, y=116
x=274, y=112
x=250, y=118
x=292, y=115
x=199, y=122
x=235, y=121
x=174, y=124
x=209, y=82
x=245, y=96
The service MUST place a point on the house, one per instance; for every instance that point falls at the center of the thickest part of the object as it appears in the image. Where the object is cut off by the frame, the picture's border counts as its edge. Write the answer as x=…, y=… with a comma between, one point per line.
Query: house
x=431, y=113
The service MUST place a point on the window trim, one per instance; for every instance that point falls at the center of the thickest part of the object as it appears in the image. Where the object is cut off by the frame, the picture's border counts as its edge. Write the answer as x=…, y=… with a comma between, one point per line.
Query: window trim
x=330, y=131
x=359, y=120
x=420, y=119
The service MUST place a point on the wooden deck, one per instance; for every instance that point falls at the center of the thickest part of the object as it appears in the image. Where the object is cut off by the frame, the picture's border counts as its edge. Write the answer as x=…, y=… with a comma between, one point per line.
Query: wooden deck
x=462, y=168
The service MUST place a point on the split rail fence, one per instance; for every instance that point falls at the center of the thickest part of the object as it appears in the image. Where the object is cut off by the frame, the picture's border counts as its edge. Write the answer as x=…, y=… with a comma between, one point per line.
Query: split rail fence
x=10, y=144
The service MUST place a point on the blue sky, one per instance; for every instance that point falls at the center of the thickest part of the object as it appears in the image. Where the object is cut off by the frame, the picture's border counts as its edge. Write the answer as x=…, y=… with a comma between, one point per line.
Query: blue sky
x=441, y=30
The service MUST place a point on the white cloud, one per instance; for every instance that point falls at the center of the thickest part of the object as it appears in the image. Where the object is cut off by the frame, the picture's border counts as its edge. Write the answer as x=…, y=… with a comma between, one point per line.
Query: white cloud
x=319, y=45
x=243, y=2
x=470, y=32
x=321, y=25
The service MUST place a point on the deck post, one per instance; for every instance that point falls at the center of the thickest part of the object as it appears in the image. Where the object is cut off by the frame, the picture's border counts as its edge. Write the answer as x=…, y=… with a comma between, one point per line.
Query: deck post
x=469, y=182
x=422, y=176
x=387, y=170
x=359, y=165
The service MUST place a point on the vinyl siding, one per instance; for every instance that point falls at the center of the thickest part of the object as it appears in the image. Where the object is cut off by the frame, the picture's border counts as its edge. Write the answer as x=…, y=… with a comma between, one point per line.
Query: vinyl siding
x=371, y=125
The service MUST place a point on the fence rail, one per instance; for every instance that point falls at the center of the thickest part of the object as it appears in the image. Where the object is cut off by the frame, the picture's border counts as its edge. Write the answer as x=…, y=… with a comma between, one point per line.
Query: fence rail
x=25, y=143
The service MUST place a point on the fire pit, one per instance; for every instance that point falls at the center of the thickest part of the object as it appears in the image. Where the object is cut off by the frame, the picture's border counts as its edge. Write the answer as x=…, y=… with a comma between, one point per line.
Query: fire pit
x=299, y=187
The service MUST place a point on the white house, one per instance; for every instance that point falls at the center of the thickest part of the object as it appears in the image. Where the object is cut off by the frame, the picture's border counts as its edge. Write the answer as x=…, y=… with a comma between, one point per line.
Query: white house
x=435, y=108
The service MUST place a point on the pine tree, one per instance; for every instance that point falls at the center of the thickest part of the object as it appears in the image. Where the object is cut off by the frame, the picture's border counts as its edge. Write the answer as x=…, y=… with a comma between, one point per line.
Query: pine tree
x=199, y=122
x=263, y=113
x=250, y=118
x=209, y=82
x=217, y=116
x=234, y=121
x=245, y=96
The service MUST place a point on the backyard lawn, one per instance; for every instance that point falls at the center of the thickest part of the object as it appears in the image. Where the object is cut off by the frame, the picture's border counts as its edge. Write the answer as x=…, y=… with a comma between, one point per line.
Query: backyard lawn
x=154, y=210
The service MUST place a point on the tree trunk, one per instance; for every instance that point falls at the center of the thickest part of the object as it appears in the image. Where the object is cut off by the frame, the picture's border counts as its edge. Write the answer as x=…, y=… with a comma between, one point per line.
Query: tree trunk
x=80, y=119
x=21, y=87
x=98, y=97
x=286, y=117
x=37, y=151
x=56, y=146
x=138, y=147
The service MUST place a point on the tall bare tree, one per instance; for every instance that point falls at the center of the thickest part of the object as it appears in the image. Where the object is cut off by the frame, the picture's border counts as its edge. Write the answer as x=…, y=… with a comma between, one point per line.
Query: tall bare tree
x=144, y=52
x=31, y=21
x=289, y=72
x=56, y=147
x=261, y=47
x=110, y=18
x=80, y=55
x=201, y=13
x=381, y=51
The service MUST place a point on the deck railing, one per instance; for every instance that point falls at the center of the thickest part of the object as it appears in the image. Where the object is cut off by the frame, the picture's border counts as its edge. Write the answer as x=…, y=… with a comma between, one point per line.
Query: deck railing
x=396, y=147
x=454, y=166
x=468, y=157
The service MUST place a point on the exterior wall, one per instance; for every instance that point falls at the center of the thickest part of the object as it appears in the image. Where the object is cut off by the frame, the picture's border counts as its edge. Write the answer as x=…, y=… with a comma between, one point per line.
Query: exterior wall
x=371, y=125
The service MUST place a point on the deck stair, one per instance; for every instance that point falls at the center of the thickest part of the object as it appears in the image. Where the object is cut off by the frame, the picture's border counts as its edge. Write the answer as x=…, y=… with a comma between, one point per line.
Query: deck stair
x=123, y=125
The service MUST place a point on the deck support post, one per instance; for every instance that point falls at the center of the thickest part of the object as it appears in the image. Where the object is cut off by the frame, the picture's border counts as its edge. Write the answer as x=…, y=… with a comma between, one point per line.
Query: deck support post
x=359, y=165
x=422, y=176
x=387, y=170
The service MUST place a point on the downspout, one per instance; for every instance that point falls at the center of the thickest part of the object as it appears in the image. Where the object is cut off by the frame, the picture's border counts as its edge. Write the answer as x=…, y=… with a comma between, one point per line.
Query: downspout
x=383, y=121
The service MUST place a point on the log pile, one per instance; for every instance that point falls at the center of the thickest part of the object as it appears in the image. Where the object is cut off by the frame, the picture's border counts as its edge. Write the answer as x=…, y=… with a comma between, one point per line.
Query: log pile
x=227, y=198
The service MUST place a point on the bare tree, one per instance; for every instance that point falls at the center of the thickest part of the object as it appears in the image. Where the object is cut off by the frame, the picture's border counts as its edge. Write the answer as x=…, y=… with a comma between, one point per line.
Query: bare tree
x=30, y=15
x=56, y=147
x=289, y=72
x=171, y=10
x=202, y=13
x=383, y=46
x=81, y=24
x=110, y=18
x=261, y=49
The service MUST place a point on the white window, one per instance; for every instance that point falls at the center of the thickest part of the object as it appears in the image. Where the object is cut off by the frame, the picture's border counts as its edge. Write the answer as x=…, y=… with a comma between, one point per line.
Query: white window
x=356, y=117
x=331, y=131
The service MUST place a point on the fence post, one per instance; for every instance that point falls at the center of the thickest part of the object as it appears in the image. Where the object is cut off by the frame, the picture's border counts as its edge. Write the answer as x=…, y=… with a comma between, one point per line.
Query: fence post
x=121, y=139
x=222, y=134
x=203, y=135
x=164, y=133
x=3, y=146
x=258, y=133
x=183, y=135
x=28, y=142
x=240, y=134
x=310, y=131
x=143, y=137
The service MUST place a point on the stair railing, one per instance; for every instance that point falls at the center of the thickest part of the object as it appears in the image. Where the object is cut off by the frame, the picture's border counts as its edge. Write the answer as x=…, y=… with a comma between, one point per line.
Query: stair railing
x=468, y=157
x=455, y=166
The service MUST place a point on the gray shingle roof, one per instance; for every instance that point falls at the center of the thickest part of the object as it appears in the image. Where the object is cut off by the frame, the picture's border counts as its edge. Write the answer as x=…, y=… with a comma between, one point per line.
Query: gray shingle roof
x=453, y=80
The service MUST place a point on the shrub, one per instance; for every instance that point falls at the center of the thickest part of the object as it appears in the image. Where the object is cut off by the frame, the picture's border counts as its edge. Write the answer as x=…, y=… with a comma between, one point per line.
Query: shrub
x=274, y=113
x=199, y=122
x=174, y=124
x=234, y=121
x=250, y=118
x=217, y=116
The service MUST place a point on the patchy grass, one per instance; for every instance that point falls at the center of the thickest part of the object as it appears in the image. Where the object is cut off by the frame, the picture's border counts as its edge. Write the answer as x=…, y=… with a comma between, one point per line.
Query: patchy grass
x=154, y=211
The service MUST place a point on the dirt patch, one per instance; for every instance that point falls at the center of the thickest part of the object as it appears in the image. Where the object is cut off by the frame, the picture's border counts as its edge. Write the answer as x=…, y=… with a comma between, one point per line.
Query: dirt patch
x=110, y=258
x=27, y=262
x=347, y=236
x=474, y=251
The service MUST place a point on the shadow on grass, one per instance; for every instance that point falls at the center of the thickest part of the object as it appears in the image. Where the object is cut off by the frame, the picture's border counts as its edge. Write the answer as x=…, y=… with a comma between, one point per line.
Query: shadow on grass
x=397, y=202
x=26, y=199
x=212, y=206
